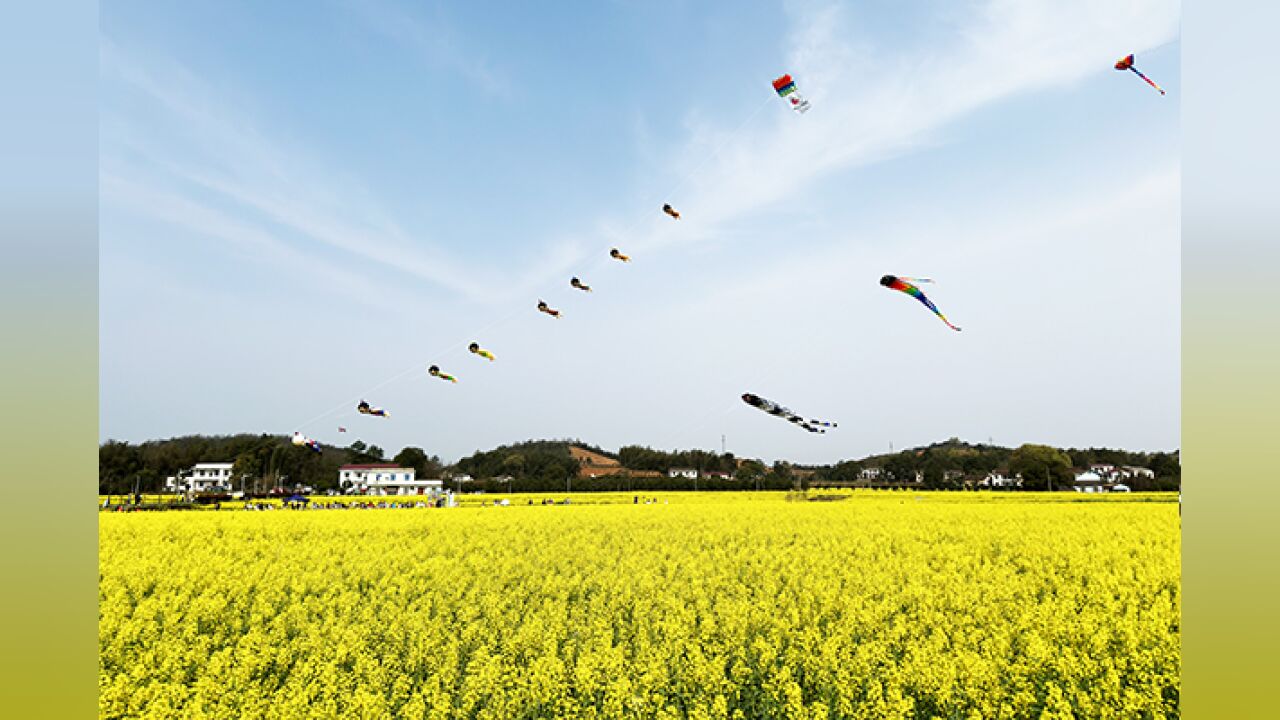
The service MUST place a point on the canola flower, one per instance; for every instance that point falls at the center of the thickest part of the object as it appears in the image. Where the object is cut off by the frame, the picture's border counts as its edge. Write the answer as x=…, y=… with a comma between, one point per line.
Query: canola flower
x=882, y=605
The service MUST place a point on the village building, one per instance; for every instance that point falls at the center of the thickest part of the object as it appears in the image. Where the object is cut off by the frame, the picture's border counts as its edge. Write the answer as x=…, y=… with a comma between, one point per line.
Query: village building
x=384, y=479
x=1000, y=481
x=202, y=477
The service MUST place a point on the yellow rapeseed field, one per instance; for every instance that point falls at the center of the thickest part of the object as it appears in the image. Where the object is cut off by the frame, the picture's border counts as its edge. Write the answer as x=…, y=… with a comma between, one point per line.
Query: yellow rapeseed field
x=875, y=605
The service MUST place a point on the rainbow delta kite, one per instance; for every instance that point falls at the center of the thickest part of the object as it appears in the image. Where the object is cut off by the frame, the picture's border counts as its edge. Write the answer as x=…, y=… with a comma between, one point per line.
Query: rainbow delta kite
x=1126, y=63
x=902, y=285
x=786, y=88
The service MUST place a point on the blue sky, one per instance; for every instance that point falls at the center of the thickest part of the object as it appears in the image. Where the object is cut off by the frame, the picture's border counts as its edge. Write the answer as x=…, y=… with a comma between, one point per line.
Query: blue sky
x=305, y=206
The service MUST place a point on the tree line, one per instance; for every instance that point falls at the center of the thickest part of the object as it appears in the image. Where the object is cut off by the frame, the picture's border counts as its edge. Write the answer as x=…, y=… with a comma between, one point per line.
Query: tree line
x=263, y=462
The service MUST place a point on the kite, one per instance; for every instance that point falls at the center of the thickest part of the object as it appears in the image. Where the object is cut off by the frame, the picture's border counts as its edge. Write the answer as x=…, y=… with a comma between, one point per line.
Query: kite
x=477, y=350
x=619, y=256
x=575, y=282
x=544, y=308
x=435, y=372
x=671, y=211
x=786, y=88
x=341, y=429
x=902, y=285
x=365, y=409
x=1126, y=63
x=303, y=441
x=773, y=408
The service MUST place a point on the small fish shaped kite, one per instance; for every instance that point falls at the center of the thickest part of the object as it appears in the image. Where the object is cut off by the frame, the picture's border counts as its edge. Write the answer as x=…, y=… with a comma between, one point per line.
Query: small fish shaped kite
x=617, y=255
x=575, y=282
x=671, y=211
x=786, y=88
x=773, y=408
x=904, y=285
x=477, y=350
x=365, y=409
x=1126, y=63
x=544, y=308
x=434, y=370
x=303, y=441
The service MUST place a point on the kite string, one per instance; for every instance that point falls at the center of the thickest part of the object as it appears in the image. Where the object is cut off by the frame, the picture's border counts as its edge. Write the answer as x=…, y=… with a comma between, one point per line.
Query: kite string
x=624, y=235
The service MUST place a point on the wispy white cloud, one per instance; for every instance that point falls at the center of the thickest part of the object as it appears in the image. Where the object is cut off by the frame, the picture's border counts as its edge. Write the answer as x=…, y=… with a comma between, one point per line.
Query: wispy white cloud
x=223, y=152
x=428, y=35
x=251, y=242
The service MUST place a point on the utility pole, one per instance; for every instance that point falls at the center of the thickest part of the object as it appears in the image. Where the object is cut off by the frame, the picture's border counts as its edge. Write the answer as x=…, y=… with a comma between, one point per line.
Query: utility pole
x=722, y=444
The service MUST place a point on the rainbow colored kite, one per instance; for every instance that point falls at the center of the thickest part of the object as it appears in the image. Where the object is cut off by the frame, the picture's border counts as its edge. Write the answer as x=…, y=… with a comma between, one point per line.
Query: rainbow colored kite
x=786, y=89
x=1126, y=63
x=902, y=285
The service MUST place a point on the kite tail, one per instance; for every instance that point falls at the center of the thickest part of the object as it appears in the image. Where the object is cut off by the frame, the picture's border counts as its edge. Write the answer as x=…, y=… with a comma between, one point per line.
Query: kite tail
x=948, y=322
x=1149, y=81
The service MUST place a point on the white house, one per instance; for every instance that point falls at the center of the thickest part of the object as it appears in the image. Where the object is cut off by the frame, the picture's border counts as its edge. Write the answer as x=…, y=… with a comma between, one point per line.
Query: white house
x=1131, y=471
x=1000, y=480
x=871, y=473
x=384, y=479
x=1090, y=481
x=202, y=477
x=686, y=473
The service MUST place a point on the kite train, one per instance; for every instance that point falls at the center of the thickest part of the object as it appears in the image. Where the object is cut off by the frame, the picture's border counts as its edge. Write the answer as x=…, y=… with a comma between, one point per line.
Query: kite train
x=773, y=408
x=544, y=308
x=435, y=372
x=575, y=282
x=365, y=409
x=1126, y=63
x=616, y=255
x=303, y=441
x=902, y=285
x=477, y=350
x=671, y=211
x=786, y=88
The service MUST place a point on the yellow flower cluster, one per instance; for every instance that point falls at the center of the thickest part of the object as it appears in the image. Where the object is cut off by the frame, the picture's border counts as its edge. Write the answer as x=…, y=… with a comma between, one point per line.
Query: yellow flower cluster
x=880, y=605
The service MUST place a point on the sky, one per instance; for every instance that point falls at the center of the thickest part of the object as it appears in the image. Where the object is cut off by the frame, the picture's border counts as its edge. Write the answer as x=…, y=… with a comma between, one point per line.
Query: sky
x=302, y=206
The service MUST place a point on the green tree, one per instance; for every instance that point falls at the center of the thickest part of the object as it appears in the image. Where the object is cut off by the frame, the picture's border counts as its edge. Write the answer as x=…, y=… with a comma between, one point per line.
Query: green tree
x=1041, y=465
x=901, y=468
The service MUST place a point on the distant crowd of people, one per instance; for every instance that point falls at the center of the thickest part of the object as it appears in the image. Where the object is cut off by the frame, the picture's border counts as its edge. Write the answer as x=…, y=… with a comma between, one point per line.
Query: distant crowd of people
x=363, y=505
